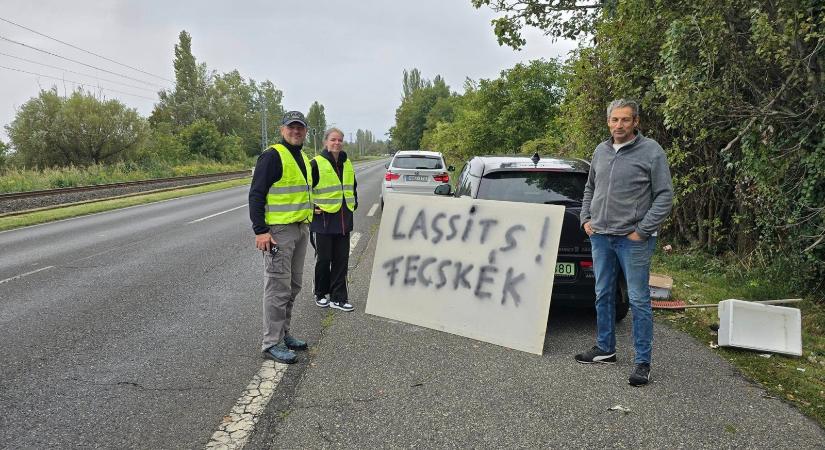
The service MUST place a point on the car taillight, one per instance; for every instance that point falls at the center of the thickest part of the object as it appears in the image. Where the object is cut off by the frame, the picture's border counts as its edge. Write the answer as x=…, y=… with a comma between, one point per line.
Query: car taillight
x=586, y=264
x=444, y=177
x=389, y=176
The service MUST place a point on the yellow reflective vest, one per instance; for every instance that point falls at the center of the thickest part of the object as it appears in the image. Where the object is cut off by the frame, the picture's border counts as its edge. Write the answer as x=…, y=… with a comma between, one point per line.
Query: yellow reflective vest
x=289, y=199
x=331, y=191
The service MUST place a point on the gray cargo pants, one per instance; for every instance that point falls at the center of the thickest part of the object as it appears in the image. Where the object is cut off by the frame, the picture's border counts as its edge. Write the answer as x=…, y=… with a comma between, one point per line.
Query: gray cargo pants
x=283, y=276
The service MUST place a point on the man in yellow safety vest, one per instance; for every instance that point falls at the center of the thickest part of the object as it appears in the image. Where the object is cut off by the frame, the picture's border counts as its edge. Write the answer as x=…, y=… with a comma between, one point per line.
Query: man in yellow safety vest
x=280, y=207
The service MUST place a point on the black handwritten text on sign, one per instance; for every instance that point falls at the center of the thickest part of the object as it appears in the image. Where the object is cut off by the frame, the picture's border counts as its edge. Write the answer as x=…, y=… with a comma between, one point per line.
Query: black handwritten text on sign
x=471, y=229
x=477, y=268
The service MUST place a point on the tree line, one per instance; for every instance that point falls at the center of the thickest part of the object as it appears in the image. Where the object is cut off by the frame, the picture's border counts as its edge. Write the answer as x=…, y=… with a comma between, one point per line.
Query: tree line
x=205, y=116
x=732, y=89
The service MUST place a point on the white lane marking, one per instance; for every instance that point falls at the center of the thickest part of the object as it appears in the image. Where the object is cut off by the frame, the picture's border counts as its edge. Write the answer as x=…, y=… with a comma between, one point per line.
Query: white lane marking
x=353, y=241
x=372, y=210
x=26, y=274
x=116, y=210
x=234, y=430
x=216, y=214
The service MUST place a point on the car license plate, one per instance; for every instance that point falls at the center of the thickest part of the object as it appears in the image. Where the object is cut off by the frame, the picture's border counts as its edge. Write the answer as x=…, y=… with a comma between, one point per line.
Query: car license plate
x=415, y=177
x=565, y=269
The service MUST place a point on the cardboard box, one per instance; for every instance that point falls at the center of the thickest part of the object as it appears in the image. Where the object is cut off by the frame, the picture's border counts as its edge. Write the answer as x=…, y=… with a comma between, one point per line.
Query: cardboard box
x=660, y=286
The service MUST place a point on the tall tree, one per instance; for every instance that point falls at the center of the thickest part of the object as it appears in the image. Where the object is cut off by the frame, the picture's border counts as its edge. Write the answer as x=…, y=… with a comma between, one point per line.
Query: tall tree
x=411, y=115
x=187, y=101
x=231, y=103
x=499, y=115
x=557, y=18
x=317, y=122
x=412, y=82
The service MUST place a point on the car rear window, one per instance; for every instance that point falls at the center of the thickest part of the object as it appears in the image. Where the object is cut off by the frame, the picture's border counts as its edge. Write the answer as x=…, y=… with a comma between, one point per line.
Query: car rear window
x=417, y=162
x=551, y=187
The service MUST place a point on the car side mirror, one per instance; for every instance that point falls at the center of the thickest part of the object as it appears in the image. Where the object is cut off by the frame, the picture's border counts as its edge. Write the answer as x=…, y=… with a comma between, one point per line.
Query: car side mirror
x=451, y=169
x=387, y=165
x=443, y=189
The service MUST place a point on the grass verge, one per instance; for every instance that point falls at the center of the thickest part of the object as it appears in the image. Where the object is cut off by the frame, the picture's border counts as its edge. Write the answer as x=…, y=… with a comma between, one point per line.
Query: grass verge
x=69, y=211
x=698, y=279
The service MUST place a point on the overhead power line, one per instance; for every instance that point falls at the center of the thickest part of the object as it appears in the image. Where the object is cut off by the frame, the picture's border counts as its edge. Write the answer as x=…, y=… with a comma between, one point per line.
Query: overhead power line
x=85, y=51
x=78, y=73
x=81, y=63
x=77, y=83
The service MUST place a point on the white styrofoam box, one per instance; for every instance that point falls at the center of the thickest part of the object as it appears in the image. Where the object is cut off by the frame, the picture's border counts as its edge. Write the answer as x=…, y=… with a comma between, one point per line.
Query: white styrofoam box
x=755, y=326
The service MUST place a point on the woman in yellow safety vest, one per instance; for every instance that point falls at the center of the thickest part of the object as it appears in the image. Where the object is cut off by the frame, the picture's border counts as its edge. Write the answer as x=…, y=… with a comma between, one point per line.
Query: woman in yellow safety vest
x=335, y=199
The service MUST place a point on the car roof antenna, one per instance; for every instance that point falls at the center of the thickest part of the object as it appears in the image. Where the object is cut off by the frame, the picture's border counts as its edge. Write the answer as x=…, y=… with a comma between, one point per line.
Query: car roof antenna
x=535, y=159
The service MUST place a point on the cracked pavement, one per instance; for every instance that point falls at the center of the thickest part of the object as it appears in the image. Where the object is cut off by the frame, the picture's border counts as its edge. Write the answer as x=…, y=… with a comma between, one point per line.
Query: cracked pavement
x=235, y=428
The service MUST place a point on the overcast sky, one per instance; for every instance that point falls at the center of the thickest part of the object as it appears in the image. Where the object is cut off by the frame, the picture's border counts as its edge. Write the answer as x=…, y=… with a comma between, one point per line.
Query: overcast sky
x=348, y=55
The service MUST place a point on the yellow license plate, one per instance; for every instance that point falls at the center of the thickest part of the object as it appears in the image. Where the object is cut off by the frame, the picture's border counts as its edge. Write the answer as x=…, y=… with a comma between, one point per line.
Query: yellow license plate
x=565, y=269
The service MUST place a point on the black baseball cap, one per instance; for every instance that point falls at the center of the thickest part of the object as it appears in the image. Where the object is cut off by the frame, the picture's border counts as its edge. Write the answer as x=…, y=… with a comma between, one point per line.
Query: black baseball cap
x=294, y=116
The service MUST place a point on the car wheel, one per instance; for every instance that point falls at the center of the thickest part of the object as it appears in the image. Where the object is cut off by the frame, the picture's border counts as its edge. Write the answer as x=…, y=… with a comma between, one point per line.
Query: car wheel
x=382, y=203
x=622, y=299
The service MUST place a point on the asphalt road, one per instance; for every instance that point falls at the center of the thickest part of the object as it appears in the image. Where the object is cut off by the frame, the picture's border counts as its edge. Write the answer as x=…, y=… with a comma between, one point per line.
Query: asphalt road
x=138, y=329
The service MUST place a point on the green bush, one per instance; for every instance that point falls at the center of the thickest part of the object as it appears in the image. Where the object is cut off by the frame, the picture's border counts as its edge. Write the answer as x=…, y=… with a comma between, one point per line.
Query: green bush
x=3, y=154
x=79, y=129
x=203, y=138
x=232, y=149
x=162, y=146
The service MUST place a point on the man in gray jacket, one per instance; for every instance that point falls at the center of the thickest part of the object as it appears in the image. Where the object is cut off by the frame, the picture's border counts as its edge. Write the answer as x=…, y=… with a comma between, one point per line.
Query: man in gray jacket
x=627, y=197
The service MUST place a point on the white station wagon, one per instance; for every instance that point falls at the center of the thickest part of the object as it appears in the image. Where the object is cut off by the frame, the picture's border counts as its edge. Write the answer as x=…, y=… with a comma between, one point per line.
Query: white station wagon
x=414, y=172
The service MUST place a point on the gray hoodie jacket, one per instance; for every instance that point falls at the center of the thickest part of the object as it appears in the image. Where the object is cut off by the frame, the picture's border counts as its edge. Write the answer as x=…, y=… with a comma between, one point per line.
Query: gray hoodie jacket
x=629, y=190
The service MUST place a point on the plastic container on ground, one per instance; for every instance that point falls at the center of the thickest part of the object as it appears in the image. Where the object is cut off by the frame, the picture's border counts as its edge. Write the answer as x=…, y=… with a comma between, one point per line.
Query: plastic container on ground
x=660, y=286
x=760, y=327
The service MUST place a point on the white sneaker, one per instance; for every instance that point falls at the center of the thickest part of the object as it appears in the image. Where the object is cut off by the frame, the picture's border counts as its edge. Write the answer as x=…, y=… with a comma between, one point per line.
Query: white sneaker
x=323, y=302
x=343, y=306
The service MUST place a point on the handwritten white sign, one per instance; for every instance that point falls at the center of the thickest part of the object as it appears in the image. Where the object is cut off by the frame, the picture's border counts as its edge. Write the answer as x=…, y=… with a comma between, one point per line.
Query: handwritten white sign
x=476, y=268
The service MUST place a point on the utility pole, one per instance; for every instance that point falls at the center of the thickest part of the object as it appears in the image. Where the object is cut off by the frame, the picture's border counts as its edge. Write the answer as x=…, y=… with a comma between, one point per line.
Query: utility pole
x=264, y=137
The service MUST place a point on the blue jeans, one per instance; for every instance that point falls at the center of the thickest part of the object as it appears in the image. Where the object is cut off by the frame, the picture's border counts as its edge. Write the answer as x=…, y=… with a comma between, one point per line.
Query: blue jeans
x=611, y=253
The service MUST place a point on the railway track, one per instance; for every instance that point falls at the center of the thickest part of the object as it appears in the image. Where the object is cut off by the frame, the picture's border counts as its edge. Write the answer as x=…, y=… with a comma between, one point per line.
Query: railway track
x=18, y=202
x=100, y=187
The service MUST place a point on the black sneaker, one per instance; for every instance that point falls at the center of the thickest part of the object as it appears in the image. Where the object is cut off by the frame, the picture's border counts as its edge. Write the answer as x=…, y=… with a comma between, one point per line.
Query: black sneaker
x=343, y=306
x=323, y=302
x=640, y=375
x=596, y=355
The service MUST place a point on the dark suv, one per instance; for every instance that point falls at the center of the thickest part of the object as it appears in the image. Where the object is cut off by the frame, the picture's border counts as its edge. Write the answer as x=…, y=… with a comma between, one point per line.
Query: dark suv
x=549, y=181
